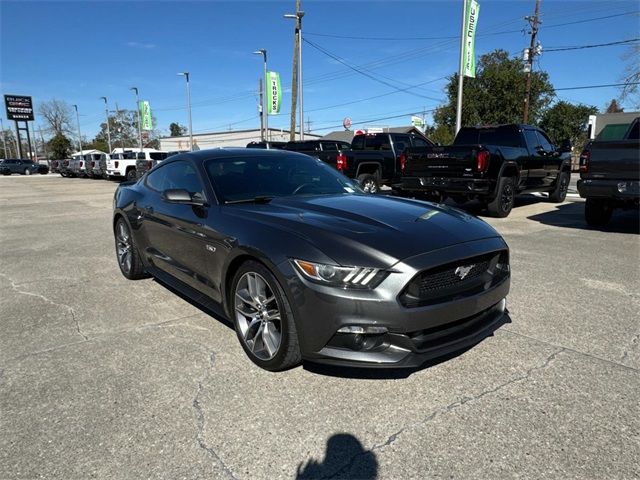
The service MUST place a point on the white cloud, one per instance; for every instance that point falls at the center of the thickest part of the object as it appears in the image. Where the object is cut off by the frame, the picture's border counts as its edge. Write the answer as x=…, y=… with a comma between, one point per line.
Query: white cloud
x=141, y=45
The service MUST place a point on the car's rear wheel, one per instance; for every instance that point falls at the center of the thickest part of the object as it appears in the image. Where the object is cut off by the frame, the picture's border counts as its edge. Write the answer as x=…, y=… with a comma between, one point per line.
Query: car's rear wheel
x=27, y=171
x=369, y=183
x=263, y=318
x=597, y=212
x=502, y=204
x=127, y=254
x=559, y=193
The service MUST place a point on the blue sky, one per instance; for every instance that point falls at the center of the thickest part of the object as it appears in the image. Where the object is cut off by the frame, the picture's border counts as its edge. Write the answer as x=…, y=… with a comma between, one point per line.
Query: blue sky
x=79, y=51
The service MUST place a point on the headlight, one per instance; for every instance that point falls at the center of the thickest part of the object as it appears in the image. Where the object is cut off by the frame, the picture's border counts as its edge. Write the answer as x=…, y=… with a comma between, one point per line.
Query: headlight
x=346, y=277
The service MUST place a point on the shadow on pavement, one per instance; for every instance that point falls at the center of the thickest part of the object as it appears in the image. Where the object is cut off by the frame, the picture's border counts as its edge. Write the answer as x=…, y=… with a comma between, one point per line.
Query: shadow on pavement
x=571, y=215
x=344, y=458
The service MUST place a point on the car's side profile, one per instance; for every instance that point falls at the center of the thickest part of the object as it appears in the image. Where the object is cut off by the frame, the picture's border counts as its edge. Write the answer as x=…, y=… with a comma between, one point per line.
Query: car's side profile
x=308, y=266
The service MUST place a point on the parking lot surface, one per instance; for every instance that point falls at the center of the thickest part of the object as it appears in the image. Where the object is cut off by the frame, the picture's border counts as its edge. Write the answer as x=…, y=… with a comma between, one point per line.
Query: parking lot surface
x=101, y=377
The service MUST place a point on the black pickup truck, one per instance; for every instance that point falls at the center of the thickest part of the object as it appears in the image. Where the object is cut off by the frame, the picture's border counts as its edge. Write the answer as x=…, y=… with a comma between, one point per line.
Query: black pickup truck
x=491, y=164
x=325, y=150
x=375, y=159
x=610, y=175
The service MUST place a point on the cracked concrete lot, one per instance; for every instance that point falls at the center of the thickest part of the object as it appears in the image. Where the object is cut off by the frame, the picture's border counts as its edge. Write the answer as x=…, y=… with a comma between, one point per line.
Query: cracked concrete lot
x=105, y=378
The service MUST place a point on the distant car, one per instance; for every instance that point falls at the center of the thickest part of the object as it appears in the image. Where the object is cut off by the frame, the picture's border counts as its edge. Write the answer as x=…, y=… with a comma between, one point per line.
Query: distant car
x=307, y=265
x=267, y=145
x=23, y=167
x=325, y=150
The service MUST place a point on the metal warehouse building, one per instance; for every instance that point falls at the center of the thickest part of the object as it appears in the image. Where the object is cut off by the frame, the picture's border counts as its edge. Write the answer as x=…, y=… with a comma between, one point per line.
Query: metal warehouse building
x=232, y=138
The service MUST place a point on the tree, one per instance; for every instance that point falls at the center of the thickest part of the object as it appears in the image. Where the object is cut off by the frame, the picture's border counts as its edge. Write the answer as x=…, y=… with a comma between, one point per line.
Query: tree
x=60, y=147
x=631, y=75
x=495, y=96
x=9, y=137
x=565, y=120
x=57, y=115
x=614, y=107
x=177, y=130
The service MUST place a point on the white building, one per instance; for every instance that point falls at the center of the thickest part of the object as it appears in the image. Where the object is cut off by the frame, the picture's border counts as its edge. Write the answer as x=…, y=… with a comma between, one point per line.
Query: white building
x=232, y=138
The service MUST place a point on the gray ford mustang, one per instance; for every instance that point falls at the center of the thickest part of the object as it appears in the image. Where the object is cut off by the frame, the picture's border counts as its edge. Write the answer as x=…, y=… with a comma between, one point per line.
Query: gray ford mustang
x=306, y=265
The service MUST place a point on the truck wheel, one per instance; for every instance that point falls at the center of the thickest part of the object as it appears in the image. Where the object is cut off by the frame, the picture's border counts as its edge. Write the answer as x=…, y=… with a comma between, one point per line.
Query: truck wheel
x=505, y=195
x=559, y=193
x=369, y=183
x=27, y=171
x=131, y=174
x=597, y=212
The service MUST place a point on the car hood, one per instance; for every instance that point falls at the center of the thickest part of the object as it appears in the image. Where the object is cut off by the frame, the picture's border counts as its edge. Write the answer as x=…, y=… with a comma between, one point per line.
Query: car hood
x=367, y=230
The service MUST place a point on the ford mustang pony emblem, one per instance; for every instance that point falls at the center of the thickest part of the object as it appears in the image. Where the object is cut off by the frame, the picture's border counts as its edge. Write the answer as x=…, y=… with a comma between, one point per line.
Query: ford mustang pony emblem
x=463, y=271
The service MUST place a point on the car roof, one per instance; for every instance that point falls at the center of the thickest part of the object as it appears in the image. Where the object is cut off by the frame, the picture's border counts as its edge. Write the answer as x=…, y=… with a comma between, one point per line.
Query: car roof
x=202, y=155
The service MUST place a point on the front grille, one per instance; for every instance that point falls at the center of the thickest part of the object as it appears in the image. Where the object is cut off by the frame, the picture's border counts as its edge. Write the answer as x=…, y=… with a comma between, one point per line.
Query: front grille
x=456, y=280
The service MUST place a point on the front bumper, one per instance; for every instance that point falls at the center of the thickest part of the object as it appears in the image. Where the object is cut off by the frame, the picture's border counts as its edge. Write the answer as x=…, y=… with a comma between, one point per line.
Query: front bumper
x=460, y=186
x=414, y=335
x=614, y=189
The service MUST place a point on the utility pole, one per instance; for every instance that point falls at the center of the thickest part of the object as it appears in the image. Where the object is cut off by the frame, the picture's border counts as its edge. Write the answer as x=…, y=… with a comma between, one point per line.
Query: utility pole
x=294, y=75
x=532, y=52
x=135, y=90
x=261, y=110
x=267, y=84
x=79, y=135
x=308, y=124
x=44, y=146
x=106, y=111
x=186, y=76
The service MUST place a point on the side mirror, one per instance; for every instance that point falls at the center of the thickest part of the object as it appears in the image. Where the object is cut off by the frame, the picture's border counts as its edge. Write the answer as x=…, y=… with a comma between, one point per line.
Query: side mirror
x=565, y=146
x=180, y=195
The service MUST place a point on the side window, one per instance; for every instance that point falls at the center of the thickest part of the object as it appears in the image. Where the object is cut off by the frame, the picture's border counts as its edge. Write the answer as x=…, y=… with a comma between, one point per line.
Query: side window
x=532, y=139
x=329, y=147
x=155, y=180
x=182, y=175
x=419, y=142
x=544, y=142
x=634, y=133
x=140, y=156
x=401, y=142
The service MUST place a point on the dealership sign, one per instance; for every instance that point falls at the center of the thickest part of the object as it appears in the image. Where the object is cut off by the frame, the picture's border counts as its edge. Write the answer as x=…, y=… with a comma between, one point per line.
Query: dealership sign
x=274, y=93
x=19, y=108
x=469, y=41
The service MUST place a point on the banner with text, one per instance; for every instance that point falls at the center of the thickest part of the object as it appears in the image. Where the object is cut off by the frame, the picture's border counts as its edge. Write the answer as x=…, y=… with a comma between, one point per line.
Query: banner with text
x=146, y=120
x=274, y=93
x=470, y=25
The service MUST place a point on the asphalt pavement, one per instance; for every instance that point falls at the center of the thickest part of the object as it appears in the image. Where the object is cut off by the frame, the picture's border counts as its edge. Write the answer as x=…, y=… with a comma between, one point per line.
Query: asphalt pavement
x=101, y=377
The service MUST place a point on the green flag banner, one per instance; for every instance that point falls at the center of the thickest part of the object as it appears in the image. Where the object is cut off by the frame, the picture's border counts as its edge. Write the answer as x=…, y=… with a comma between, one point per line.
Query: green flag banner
x=274, y=93
x=470, y=24
x=146, y=122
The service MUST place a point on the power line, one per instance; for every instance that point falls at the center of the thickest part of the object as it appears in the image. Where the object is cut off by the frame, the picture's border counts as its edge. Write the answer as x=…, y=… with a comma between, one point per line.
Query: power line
x=580, y=47
x=584, y=87
x=635, y=12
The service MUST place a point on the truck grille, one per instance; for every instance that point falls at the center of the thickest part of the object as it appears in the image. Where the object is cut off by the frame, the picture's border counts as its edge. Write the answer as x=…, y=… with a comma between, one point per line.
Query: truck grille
x=455, y=280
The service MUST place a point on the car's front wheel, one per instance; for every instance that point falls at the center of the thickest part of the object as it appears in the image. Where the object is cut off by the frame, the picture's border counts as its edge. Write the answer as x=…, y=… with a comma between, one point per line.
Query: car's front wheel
x=263, y=318
x=127, y=254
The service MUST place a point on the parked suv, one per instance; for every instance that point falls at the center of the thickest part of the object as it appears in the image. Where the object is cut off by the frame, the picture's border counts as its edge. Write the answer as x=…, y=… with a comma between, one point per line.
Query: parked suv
x=23, y=167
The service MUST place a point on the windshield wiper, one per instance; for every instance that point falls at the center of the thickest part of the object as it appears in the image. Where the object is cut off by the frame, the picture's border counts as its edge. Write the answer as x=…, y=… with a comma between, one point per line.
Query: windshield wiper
x=259, y=199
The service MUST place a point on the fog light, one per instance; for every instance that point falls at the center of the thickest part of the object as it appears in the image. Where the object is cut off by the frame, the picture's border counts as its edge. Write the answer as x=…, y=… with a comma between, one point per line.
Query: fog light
x=622, y=187
x=363, y=330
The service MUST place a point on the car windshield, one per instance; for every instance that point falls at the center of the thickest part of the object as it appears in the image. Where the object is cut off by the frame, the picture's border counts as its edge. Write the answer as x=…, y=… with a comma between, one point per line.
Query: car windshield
x=260, y=177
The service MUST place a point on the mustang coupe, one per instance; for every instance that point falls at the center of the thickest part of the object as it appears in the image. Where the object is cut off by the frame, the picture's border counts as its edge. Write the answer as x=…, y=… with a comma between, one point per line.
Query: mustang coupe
x=308, y=266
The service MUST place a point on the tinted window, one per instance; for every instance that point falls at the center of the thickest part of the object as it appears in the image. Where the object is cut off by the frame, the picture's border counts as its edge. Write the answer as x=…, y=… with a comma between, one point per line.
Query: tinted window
x=176, y=175
x=401, y=142
x=371, y=142
x=544, y=142
x=503, y=136
x=329, y=147
x=634, y=133
x=157, y=155
x=243, y=178
x=532, y=139
x=420, y=142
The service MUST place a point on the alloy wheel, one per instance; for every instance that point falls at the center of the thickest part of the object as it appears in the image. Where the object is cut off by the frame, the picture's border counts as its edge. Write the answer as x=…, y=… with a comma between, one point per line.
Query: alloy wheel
x=258, y=316
x=123, y=247
x=370, y=186
x=506, y=199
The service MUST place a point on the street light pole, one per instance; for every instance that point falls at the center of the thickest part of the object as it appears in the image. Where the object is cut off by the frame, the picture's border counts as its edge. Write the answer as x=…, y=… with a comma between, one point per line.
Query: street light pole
x=135, y=89
x=265, y=107
x=186, y=76
x=106, y=111
x=298, y=18
x=79, y=134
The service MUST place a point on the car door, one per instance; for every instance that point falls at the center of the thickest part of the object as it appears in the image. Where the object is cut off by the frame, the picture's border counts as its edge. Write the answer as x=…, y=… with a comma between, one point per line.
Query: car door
x=550, y=160
x=534, y=164
x=176, y=233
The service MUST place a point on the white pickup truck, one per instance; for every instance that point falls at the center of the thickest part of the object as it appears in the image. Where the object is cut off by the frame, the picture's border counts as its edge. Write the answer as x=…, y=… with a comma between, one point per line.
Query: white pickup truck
x=122, y=164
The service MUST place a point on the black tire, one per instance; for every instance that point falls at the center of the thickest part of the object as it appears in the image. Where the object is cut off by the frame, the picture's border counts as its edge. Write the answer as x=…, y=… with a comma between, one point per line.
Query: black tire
x=597, y=212
x=369, y=183
x=559, y=193
x=131, y=174
x=27, y=171
x=287, y=354
x=501, y=206
x=132, y=269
